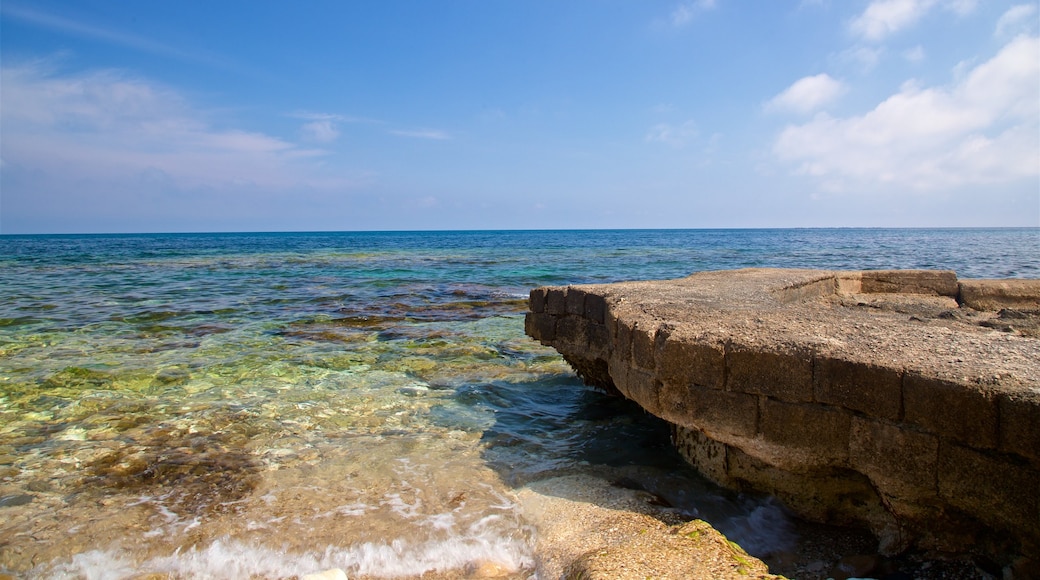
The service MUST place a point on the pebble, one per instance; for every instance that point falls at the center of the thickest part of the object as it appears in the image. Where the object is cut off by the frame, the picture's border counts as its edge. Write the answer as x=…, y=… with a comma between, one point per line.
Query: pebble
x=487, y=569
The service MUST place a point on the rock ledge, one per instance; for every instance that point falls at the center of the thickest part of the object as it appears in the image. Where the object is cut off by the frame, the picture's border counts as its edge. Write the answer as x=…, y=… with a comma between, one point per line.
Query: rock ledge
x=907, y=401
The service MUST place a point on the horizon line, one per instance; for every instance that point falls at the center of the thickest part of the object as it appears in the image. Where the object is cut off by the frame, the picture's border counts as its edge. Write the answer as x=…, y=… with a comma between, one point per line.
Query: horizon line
x=514, y=230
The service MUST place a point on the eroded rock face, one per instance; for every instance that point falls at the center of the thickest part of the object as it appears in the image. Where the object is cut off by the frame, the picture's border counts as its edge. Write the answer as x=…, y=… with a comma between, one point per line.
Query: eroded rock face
x=908, y=401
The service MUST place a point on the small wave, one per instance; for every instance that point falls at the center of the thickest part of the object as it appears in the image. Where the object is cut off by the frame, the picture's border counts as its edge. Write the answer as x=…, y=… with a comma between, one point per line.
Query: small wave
x=232, y=559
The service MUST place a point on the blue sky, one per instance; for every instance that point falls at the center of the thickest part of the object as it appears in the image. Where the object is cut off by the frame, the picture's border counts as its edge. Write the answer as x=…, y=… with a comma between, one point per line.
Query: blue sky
x=468, y=114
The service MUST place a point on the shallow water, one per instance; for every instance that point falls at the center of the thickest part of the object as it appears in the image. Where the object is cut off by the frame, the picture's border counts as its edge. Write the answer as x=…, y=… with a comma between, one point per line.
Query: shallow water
x=275, y=404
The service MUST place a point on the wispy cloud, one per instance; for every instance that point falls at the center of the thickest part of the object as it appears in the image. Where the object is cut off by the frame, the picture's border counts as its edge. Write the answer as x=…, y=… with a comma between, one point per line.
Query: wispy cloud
x=983, y=129
x=864, y=57
x=320, y=127
x=807, y=94
x=915, y=54
x=883, y=18
x=434, y=134
x=674, y=135
x=64, y=25
x=685, y=12
x=1017, y=20
x=107, y=127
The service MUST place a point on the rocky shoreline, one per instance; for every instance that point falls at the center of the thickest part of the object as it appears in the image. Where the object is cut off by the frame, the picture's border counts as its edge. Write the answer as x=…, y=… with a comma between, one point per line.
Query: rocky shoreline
x=904, y=401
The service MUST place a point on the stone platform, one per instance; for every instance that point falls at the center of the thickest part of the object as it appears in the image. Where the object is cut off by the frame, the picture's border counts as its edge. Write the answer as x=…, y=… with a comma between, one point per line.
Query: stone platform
x=906, y=401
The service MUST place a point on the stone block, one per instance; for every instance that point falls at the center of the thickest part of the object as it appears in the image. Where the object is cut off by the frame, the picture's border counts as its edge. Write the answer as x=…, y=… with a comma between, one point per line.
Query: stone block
x=556, y=301
x=823, y=286
x=706, y=455
x=834, y=495
x=572, y=333
x=541, y=327
x=595, y=308
x=870, y=389
x=1020, y=424
x=686, y=361
x=617, y=368
x=721, y=413
x=998, y=294
x=781, y=374
x=962, y=412
x=599, y=340
x=813, y=434
x=536, y=300
x=933, y=282
x=574, y=302
x=643, y=346
x=1002, y=493
x=643, y=388
x=900, y=462
x=623, y=342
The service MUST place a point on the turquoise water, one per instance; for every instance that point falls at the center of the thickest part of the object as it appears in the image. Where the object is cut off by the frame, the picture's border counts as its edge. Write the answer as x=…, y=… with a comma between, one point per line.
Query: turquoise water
x=276, y=404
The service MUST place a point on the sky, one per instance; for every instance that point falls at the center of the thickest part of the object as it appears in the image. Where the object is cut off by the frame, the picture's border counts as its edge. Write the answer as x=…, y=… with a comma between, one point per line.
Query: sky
x=191, y=116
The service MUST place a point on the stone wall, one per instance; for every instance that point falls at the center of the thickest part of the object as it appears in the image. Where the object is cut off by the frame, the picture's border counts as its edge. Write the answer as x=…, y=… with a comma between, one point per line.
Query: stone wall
x=855, y=397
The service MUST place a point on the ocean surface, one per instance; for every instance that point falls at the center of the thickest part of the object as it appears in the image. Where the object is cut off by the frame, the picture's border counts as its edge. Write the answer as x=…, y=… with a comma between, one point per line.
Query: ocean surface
x=270, y=405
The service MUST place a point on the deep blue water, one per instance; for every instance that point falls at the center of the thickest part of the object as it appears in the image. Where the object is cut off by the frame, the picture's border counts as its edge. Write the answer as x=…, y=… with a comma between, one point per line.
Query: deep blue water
x=196, y=381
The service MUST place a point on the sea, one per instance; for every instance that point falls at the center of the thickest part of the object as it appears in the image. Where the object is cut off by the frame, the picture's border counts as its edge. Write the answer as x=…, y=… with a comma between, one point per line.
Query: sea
x=268, y=405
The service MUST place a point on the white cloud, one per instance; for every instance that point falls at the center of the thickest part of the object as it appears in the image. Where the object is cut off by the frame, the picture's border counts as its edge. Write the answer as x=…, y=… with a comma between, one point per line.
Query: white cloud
x=961, y=7
x=322, y=131
x=807, y=94
x=433, y=134
x=685, y=12
x=674, y=135
x=915, y=54
x=1019, y=18
x=983, y=129
x=109, y=127
x=867, y=57
x=885, y=17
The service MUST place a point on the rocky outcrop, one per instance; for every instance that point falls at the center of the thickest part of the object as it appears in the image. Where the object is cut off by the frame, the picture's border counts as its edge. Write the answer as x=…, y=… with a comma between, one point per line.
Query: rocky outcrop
x=908, y=401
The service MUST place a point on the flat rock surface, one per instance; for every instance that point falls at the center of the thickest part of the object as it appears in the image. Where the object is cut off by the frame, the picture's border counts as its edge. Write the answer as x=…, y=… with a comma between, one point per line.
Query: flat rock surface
x=930, y=334
x=589, y=529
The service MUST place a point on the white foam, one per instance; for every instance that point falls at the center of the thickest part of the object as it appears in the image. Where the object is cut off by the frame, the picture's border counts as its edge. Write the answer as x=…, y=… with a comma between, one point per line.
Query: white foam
x=765, y=530
x=401, y=507
x=232, y=559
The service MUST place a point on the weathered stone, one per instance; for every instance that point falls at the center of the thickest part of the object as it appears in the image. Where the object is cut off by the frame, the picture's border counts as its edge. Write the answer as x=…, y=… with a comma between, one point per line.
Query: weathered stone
x=998, y=294
x=702, y=452
x=575, y=301
x=536, y=300
x=540, y=326
x=725, y=414
x=834, y=495
x=785, y=374
x=595, y=308
x=556, y=301
x=868, y=397
x=643, y=337
x=687, y=362
x=803, y=437
x=900, y=461
x=1020, y=424
x=869, y=388
x=623, y=342
x=599, y=340
x=573, y=331
x=1001, y=493
x=950, y=410
x=935, y=282
x=642, y=387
